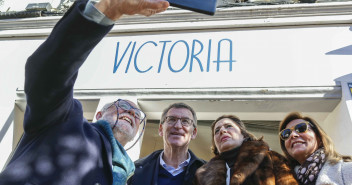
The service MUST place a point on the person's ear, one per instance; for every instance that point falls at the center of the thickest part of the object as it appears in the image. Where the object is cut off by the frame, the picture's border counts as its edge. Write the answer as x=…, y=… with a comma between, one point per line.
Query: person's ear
x=99, y=115
x=161, y=130
x=194, y=133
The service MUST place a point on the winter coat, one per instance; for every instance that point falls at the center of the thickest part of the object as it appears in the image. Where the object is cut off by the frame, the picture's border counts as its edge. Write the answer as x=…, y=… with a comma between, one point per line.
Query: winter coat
x=335, y=174
x=255, y=164
x=147, y=169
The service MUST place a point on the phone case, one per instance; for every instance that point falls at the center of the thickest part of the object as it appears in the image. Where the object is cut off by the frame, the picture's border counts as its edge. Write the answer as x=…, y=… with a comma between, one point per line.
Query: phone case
x=201, y=6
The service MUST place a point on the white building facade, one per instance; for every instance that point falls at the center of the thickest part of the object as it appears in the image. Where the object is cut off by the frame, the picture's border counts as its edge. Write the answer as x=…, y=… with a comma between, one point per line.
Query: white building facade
x=258, y=63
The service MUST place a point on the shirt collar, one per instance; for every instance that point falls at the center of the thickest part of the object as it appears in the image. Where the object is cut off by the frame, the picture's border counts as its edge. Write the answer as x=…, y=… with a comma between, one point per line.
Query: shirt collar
x=171, y=169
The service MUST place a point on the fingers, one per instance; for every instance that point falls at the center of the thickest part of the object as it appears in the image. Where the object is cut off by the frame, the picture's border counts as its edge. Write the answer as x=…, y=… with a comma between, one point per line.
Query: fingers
x=156, y=4
x=114, y=9
x=150, y=12
x=151, y=7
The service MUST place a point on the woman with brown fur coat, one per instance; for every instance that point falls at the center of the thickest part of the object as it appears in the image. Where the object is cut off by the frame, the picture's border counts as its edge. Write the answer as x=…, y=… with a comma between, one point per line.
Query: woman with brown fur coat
x=240, y=158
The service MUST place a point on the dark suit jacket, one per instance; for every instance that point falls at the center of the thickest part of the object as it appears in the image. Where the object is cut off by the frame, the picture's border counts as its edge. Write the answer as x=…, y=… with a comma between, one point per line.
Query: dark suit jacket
x=147, y=169
x=59, y=147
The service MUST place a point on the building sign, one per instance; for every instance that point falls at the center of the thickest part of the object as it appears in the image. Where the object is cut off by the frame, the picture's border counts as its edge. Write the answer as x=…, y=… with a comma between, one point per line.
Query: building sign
x=178, y=55
x=256, y=57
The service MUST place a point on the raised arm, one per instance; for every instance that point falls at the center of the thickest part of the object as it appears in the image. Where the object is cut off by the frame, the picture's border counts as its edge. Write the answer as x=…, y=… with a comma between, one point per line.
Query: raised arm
x=51, y=71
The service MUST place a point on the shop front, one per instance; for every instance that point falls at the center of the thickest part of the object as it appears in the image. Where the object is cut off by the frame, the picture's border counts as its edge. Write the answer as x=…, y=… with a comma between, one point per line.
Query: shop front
x=257, y=63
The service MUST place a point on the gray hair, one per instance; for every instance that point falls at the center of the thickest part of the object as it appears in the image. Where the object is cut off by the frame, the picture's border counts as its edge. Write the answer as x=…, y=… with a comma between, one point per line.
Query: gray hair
x=107, y=106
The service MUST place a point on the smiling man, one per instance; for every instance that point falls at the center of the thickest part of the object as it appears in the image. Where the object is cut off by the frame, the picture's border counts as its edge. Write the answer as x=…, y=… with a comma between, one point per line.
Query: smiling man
x=129, y=119
x=175, y=164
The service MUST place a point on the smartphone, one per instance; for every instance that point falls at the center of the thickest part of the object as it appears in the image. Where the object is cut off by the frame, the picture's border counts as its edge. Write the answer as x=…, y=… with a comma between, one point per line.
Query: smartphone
x=202, y=6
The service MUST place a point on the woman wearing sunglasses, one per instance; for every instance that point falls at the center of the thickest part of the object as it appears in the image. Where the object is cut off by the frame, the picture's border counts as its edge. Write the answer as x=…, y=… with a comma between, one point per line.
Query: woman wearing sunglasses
x=240, y=158
x=311, y=153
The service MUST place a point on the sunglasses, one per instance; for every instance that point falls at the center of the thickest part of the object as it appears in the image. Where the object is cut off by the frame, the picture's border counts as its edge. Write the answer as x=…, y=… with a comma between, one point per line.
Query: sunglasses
x=299, y=128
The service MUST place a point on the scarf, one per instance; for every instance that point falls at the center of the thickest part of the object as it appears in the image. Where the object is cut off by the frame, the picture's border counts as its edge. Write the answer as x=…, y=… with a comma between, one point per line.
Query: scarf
x=308, y=172
x=122, y=165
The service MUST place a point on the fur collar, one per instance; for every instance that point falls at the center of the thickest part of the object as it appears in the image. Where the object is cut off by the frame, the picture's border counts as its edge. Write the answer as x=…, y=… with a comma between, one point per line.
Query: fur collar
x=254, y=165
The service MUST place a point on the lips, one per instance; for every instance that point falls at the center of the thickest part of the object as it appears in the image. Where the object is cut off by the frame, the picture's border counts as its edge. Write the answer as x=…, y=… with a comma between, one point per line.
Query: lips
x=127, y=119
x=177, y=134
x=224, y=138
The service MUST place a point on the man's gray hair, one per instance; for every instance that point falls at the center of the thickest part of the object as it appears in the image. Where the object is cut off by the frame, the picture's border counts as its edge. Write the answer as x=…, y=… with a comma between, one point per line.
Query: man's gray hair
x=106, y=106
x=179, y=106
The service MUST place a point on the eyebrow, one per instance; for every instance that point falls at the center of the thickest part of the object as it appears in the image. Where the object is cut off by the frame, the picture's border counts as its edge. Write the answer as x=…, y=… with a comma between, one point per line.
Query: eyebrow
x=222, y=125
x=179, y=117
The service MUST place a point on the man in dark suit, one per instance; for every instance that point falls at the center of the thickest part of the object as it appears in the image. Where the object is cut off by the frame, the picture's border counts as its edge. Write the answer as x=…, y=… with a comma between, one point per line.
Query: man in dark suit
x=175, y=164
x=59, y=147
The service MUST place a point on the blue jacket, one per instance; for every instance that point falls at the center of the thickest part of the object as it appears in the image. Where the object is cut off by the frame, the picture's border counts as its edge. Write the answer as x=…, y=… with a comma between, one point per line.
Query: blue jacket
x=59, y=147
x=147, y=169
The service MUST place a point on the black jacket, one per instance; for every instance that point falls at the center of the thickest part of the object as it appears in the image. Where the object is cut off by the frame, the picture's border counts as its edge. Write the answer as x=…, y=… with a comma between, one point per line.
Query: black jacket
x=147, y=169
x=59, y=146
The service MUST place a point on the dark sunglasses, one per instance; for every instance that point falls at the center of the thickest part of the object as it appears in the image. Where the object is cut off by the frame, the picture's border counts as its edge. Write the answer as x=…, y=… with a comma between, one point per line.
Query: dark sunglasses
x=299, y=128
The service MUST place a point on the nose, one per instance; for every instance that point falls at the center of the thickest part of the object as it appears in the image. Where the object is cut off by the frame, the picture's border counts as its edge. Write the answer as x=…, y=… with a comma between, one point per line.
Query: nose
x=178, y=124
x=294, y=134
x=223, y=129
x=131, y=112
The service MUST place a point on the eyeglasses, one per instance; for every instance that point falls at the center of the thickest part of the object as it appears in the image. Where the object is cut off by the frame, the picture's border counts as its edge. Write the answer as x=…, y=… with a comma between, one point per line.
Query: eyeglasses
x=139, y=114
x=172, y=120
x=299, y=128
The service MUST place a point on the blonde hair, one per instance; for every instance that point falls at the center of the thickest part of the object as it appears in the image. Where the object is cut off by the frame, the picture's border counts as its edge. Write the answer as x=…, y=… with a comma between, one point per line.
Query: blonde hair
x=324, y=140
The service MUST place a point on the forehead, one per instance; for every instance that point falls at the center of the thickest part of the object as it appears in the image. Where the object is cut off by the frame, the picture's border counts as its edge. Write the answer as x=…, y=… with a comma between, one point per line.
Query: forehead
x=180, y=112
x=111, y=107
x=131, y=103
x=294, y=122
x=225, y=121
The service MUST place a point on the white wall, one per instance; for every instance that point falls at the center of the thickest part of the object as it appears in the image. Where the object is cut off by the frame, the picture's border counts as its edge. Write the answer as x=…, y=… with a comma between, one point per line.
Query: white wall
x=338, y=125
x=264, y=57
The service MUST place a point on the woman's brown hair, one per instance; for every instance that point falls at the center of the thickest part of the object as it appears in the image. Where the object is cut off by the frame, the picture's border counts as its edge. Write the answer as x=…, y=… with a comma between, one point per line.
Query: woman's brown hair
x=324, y=140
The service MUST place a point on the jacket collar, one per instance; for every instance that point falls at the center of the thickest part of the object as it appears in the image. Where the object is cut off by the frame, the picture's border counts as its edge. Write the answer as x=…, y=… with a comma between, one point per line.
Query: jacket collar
x=250, y=156
x=153, y=157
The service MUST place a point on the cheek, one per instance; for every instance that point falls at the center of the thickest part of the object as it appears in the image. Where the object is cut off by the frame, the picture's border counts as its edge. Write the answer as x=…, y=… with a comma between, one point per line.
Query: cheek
x=286, y=143
x=216, y=140
x=314, y=142
x=138, y=122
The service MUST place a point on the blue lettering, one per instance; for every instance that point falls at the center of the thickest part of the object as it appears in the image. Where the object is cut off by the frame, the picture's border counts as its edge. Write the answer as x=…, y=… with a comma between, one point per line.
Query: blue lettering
x=135, y=58
x=194, y=56
x=208, y=61
x=218, y=61
x=169, y=59
x=116, y=56
x=129, y=60
x=162, y=54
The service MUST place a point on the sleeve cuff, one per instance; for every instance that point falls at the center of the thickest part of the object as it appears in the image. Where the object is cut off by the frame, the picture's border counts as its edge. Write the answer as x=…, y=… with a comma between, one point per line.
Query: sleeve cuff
x=93, y=14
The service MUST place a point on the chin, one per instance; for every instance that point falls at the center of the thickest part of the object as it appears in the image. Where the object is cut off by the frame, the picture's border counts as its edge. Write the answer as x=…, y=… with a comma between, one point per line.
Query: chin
x=177, y=143
x=127, y=131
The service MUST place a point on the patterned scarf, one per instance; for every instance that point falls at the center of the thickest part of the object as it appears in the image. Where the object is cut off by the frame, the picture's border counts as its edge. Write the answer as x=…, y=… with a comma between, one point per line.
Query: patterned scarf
x=122, y=165
x=309, y=170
